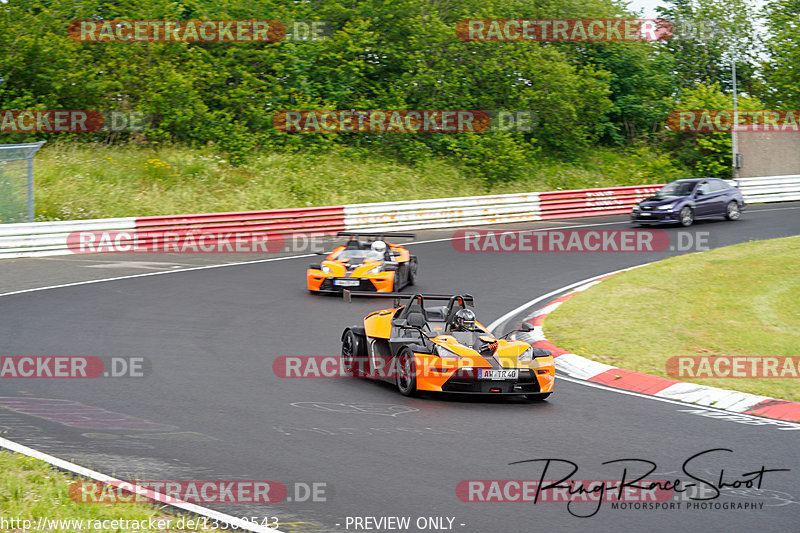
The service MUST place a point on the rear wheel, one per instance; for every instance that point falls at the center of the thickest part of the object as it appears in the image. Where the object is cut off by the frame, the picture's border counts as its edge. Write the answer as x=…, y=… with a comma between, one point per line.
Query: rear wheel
x=406, y=373
x=538, y=397
x=412, y=272
x=732, y=212
x=354, y=353
x=687, y=216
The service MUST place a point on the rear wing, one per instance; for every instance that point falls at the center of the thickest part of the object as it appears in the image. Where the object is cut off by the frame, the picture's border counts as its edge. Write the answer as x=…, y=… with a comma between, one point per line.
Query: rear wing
x=380, y=235
x=399, y=296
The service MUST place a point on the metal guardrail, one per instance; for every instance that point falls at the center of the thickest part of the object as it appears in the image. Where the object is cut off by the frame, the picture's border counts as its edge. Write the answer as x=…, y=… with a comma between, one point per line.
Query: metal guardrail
x=51, y=238
x=770, y=189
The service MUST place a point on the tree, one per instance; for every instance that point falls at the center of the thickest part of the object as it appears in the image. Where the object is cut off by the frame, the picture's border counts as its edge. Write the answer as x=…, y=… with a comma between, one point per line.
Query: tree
x=782, y=68
x=708, y=34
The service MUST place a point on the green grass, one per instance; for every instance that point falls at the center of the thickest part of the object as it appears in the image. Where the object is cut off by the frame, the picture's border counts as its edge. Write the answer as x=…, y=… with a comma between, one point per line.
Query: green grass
x=30, y=489
x=80, y=181
x=737, y=301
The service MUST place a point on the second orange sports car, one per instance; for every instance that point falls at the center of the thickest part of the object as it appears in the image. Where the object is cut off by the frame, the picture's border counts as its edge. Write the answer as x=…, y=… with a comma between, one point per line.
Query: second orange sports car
x=371, y=264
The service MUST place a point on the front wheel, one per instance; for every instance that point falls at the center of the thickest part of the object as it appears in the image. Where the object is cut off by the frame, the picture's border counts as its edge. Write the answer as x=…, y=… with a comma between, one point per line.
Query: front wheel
x=687, y=216
x=732, y=212
x=354, y=352
x=406, y=373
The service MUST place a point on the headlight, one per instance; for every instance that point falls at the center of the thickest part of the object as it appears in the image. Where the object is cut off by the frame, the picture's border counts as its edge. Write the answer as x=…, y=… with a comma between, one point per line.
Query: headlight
x=374, y=270
x=636, y=208
x=527, y=355
x=665, y=207
x=326, y=269
x=444, y=353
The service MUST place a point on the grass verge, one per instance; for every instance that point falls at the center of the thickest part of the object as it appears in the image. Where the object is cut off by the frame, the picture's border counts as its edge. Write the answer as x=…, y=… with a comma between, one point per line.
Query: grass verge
x=31, y=489
x=80, y=181
x=740, y=300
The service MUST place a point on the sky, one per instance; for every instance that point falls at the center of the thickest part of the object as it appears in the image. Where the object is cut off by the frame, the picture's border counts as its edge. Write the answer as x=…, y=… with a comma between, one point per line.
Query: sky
x=649, y=7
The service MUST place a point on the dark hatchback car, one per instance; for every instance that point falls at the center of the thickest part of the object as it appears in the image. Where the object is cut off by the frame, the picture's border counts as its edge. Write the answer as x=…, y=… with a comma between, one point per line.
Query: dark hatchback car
x=684, y=201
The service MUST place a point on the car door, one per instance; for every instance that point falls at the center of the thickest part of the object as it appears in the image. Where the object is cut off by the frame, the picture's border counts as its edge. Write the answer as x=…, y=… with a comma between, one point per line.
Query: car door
x=722, y=194
x=703, y=200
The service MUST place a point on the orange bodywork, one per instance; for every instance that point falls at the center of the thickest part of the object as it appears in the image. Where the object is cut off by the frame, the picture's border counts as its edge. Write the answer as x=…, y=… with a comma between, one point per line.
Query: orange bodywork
x=383, y=281
x=432, y=371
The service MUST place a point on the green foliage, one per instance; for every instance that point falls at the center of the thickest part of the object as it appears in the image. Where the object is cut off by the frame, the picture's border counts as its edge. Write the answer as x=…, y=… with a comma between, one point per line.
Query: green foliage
x=708, y=35
x=782, y=70
x=83, y=180
x=708, y=153
x=388, y=55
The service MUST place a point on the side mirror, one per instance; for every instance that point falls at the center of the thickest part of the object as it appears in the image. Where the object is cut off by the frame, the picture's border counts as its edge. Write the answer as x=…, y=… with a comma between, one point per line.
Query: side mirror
x=316, y=266
x=389, y=267
x=699, y=192
x=541, y=352
x=525, y=327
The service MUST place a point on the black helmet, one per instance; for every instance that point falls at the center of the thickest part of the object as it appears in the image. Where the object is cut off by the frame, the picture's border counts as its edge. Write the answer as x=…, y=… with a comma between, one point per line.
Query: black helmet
x=464, y=320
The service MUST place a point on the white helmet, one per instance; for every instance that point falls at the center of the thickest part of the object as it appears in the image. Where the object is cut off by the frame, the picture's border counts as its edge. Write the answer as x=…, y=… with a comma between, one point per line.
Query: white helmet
x=379, y=247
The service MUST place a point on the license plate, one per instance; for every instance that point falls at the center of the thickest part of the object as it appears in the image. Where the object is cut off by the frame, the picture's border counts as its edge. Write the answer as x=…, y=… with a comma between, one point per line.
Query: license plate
x=491, y=373
x=346, y=282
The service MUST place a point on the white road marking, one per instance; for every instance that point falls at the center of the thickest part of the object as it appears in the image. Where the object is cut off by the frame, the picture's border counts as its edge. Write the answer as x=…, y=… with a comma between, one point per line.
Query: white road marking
x=204, y=267
x=791, y=426
x=162, y=498
x=786, y=425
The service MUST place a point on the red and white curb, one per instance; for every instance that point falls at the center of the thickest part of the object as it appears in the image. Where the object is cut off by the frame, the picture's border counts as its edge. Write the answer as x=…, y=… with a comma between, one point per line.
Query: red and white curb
x=585, y=369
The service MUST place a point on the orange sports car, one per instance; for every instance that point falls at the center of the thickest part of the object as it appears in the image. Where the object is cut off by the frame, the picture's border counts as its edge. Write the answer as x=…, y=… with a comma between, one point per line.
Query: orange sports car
x=442, y=348
x=364, y=265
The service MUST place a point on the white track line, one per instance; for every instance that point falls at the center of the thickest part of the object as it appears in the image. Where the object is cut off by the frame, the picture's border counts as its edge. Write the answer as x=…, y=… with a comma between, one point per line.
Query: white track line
x=505, y=317
x=174, y=271
x=764, y=421
x=254, y=261
x=161, y=498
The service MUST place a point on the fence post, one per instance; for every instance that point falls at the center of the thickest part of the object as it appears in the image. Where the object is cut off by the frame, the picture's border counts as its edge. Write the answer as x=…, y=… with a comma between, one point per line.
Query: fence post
x=12, y=208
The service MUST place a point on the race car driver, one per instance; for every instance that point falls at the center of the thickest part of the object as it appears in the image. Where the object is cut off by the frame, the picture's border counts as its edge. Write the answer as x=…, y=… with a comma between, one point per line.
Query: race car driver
x=464, y=320
x=377, y=252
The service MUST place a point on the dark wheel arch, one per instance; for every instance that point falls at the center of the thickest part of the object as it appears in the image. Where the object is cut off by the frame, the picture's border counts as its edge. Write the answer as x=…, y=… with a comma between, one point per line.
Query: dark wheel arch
x=406, y=379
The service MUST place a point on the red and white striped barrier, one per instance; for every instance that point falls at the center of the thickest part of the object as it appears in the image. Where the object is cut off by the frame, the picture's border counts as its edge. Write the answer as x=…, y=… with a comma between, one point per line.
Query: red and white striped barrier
x=155, y=233
x=150, y=233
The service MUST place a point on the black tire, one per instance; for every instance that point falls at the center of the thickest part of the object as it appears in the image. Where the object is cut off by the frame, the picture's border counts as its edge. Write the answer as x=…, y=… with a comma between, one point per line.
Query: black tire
x=354, y=353
x=539, y=397
x=732, y=211
x=686, y=216
x=406, y=377
x=412, y=272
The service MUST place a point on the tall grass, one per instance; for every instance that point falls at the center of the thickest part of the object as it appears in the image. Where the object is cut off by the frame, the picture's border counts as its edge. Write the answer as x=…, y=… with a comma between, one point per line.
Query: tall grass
x=79, y=181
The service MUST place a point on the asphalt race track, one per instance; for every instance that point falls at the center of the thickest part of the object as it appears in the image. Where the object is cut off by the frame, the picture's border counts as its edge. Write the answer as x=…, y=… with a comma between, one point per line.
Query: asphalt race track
x=212, y=408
